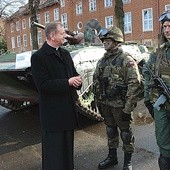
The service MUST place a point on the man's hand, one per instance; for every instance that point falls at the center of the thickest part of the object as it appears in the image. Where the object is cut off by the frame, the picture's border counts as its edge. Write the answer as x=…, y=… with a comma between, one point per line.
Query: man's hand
x=126, y=117
x=75, y=81
x=149, y=106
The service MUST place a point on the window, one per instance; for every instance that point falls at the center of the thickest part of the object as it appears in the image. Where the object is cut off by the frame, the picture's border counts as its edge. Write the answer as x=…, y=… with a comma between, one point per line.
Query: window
x=17, y=26
x=108, y=3
x=23, y=24
x=147, y=18
x=92, y=5
x=12, y=27
x=62, y=3
x=128, y=23
x=126, y=1
x=108, y=21
x=39, y=37
x=25, y=40
x=167, y=7
x=13, y=42
x=47, y=17
x=56, y=14
x=79, y=8
x=38, y=18
x=18, y=41
x=64, y=20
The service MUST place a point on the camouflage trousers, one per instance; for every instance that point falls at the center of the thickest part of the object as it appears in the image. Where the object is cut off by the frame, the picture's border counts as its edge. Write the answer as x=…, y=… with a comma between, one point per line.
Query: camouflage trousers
x=114, y=125
x=162, y=131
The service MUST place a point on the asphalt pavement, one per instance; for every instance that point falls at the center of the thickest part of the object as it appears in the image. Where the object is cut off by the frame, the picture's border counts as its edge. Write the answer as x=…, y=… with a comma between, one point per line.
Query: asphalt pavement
x=20, y=143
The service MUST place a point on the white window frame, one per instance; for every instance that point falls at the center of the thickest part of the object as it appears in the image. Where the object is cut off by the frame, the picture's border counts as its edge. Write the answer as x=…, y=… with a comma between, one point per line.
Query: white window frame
x=126, y=1
x=108, y=3
x=39, y=37
x=30, y=40
x=56, y=14
x=13, y=42
x=92, y=5
x=147, y=19
x=64, y=20
x=23, y=24
x=47, y=17
x=19, y=41
x=79, y=8
x=17, y=26
x=62, y=3
x=128, y=22
x=12, y=27
x=108, y=21
x=25, y=40
x=167, y=7
x=29, y=22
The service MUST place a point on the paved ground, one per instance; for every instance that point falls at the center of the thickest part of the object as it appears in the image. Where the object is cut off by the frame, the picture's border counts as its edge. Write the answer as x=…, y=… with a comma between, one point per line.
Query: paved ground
x=20, y=144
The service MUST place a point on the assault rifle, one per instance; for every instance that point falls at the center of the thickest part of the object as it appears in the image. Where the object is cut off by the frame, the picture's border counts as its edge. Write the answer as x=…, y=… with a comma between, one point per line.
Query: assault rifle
x=159, y=83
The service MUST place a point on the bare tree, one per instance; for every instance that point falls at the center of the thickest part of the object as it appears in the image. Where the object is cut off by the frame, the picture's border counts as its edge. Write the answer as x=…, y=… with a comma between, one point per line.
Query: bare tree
x=119, y=14
x=8, y=7
x=33, y=8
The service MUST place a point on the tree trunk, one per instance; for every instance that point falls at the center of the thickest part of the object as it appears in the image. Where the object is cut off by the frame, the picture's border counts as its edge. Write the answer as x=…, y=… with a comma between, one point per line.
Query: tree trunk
x=33, y=7
x=119, y=15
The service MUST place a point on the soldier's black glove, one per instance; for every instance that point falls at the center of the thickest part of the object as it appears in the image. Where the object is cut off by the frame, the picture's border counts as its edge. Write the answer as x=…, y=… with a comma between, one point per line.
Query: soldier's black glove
x=149, y=106
x=126, y=117
x=94, y=105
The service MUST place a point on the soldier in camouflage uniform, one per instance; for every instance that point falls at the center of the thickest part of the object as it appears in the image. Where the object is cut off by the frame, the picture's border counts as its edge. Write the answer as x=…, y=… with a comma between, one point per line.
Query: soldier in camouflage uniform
x=159, y=64
x=116, y=83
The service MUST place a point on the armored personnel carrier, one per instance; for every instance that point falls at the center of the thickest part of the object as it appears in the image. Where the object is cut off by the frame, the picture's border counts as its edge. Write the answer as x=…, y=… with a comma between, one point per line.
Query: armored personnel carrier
x=18, y=91
x=17, y=88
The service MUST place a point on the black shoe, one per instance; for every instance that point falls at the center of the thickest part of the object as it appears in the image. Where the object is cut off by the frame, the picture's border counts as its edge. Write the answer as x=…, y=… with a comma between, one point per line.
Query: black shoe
x=127, y=161
x=164, y=163
x=109, y=161
x=127, y=166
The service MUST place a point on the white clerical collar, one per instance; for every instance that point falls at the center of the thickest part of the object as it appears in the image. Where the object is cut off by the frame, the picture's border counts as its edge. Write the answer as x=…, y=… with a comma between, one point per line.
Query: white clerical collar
x=52, y=46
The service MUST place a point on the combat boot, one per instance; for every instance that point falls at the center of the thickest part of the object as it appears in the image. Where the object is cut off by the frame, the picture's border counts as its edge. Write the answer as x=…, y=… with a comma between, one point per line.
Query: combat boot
x=111, y=160
x=127, y=161
x=163, y=163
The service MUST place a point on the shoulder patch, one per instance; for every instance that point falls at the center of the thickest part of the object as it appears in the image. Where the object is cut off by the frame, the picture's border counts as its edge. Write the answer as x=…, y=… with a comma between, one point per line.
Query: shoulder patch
x=130, y=64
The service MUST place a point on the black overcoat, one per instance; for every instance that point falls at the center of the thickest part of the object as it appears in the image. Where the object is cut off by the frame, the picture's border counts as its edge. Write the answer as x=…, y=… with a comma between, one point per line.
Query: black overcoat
x=56, y=97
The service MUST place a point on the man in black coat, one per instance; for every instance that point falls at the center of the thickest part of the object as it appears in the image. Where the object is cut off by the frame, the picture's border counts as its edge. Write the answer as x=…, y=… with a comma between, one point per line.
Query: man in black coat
x=57, y=81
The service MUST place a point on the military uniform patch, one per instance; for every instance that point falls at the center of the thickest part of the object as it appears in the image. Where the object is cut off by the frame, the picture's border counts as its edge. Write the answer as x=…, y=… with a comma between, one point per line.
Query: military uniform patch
x=130, y=64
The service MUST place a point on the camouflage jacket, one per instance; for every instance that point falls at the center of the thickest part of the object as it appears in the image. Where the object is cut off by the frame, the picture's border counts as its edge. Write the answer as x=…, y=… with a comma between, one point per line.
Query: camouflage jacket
x=118, y=73
x=159, y=64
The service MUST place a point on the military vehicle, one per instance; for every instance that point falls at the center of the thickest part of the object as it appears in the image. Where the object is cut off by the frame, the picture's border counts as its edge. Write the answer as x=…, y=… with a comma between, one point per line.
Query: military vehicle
x=17, y=88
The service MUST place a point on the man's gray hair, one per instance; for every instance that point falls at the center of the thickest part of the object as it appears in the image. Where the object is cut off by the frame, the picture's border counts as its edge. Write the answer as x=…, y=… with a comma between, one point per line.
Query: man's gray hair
x=51, y=27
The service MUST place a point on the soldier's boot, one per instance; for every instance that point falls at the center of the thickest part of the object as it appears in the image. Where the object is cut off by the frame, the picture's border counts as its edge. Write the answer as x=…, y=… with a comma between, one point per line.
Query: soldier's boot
x=127, y=161
x=163, y=163
x=111, y=160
